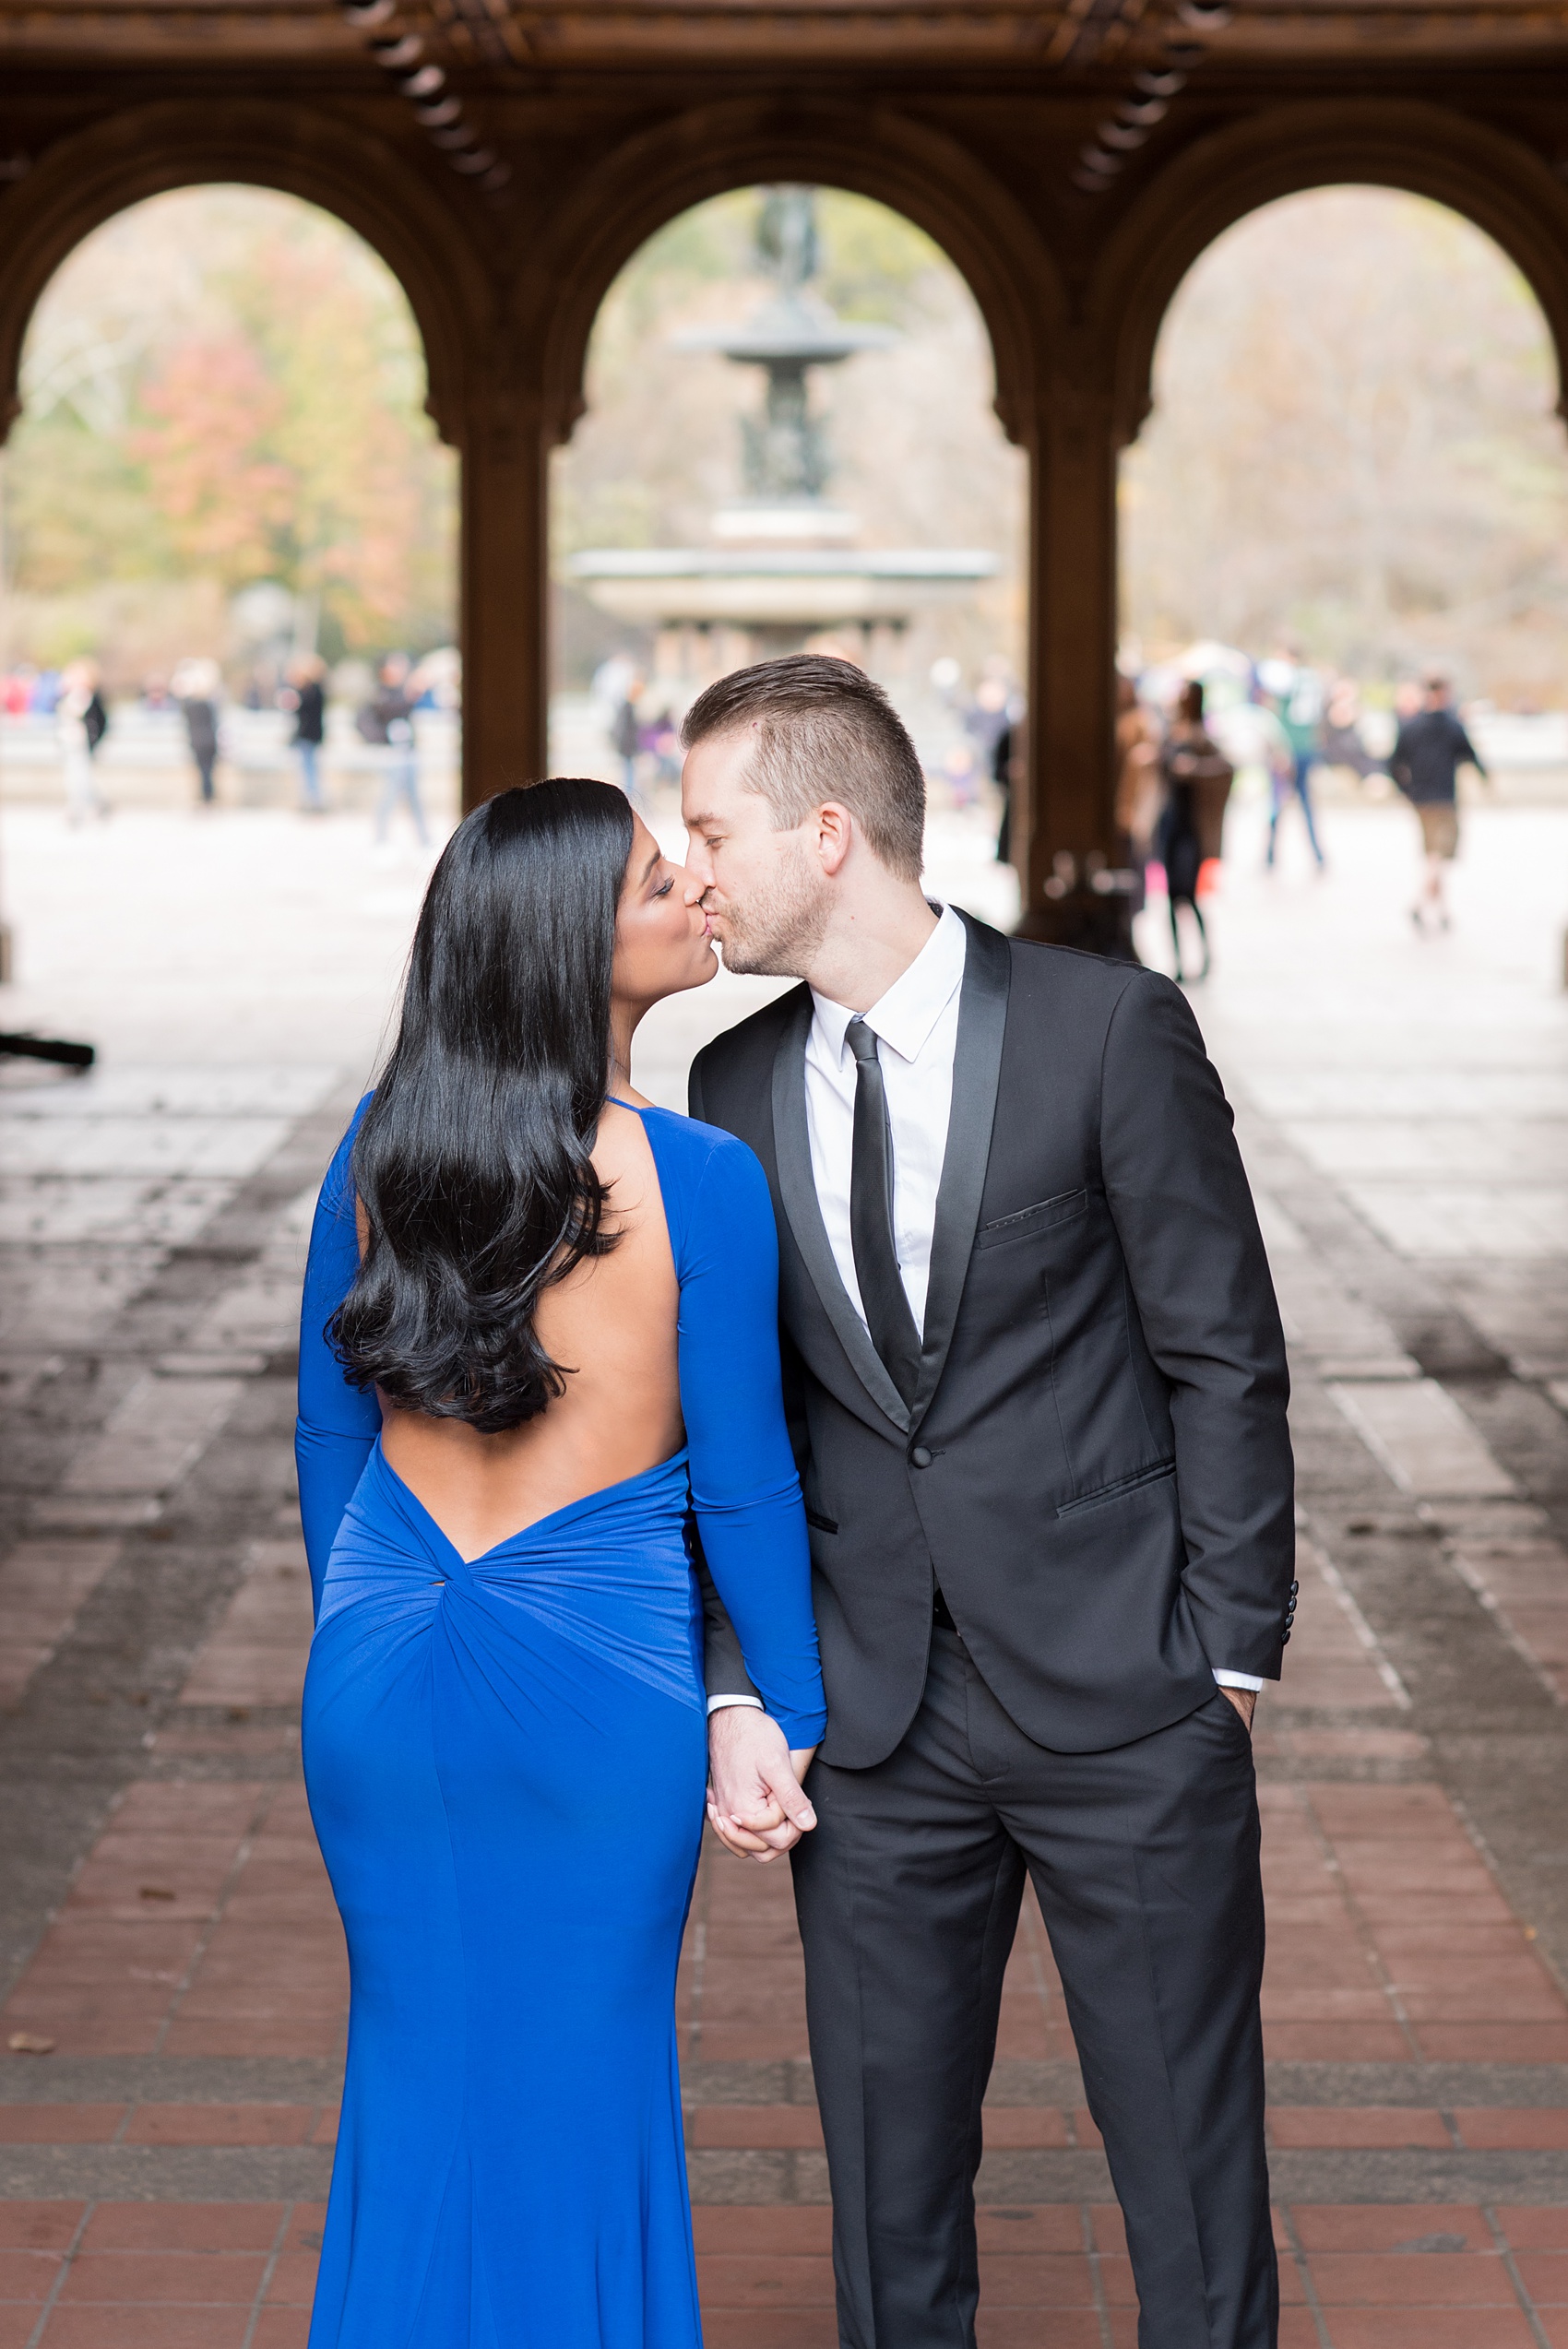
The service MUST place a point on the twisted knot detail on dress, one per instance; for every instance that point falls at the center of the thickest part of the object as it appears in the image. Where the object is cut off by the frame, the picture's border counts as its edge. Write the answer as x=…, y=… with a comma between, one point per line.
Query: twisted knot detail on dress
x=888, y=1318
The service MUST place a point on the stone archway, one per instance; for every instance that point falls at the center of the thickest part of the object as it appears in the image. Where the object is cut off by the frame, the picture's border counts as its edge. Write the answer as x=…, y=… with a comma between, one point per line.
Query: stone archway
x=85, y=181
x=436, y=253
x=1497, y=184
x=907, y=166
x=1099, y=392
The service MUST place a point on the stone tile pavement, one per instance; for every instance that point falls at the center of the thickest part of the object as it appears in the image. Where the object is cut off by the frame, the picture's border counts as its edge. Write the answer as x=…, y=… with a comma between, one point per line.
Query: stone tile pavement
x=170, y=1966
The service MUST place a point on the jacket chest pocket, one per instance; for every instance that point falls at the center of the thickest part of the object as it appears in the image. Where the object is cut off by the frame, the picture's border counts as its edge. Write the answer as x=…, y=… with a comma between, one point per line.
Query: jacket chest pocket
x=1046, y=1212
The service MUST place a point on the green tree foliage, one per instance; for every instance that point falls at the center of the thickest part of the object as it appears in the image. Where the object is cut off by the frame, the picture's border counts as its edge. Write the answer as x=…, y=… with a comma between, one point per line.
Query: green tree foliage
x=225, y=386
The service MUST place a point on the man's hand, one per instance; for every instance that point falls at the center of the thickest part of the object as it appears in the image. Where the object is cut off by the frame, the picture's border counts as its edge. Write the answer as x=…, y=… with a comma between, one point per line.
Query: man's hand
x=754, y=1802
x=1245, y=1702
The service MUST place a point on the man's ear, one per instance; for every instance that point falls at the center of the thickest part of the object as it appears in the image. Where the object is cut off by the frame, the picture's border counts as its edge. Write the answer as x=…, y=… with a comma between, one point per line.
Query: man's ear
x=834, y=834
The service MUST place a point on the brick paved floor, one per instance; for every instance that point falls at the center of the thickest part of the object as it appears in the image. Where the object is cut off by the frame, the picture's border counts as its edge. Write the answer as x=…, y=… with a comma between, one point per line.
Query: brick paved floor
x=171, y=1963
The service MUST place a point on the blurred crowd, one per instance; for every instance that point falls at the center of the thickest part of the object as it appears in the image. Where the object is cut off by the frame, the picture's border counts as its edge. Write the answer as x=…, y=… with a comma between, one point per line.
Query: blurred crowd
x=965, y=733
x=1186, y=730
x=385, y=697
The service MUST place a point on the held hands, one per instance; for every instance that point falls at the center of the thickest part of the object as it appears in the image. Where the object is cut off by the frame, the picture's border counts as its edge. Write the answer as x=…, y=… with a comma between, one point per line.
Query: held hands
x=755, y=1806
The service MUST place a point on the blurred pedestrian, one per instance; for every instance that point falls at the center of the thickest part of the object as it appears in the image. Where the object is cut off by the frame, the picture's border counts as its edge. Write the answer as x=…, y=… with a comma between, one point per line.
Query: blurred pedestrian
x=81, y=721
x=1430, y=748
x=991, y=721
x=988, y=717
x=1298, y=696
x=961, y=776
x=1140, y=788
x=1197, y=777
x=662, y=741
x=1002, y=776
x=625, y=736
x=196, y=685
x=305, y=695
x=1342, y=740
x=387, y=722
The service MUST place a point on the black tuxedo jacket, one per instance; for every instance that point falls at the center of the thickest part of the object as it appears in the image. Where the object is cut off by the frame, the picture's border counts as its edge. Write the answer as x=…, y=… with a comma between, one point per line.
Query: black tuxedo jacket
x=1096, y=1468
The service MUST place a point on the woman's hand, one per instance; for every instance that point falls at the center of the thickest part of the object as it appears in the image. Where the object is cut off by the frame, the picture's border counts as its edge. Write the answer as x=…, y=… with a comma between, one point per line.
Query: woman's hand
x=755, y=1805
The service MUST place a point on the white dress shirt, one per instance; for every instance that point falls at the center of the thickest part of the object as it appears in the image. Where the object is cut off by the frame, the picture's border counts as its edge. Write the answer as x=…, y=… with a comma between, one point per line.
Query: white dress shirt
x=916, y=1024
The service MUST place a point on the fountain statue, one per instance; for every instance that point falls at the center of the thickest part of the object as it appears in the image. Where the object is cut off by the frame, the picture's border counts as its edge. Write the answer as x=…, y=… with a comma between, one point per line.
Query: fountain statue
x=788, y=581
x=785, y=455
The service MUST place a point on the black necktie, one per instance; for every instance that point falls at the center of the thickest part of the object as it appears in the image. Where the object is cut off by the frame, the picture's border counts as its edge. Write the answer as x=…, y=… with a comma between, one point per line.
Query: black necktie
x=888, y=1318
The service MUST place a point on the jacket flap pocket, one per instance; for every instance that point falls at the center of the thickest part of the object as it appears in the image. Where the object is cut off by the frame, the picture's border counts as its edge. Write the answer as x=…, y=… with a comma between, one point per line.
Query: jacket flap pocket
x=1028, y=1220
x=1157, y=1473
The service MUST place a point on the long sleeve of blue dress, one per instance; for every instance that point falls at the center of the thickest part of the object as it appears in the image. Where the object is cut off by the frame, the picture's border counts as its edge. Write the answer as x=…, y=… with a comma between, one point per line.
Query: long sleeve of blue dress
x=337, y=1424
x=746, y=1492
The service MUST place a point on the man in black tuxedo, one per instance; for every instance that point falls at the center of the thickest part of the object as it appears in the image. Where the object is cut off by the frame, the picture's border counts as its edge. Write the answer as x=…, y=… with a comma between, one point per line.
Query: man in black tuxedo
x=1037, y=1386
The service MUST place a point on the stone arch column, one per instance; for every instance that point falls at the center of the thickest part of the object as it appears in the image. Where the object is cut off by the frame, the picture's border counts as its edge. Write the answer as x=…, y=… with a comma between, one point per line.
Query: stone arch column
x=506, y=438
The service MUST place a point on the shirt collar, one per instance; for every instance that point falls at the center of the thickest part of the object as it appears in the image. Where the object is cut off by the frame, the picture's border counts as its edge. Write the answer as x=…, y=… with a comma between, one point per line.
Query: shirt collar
x=906, y=1015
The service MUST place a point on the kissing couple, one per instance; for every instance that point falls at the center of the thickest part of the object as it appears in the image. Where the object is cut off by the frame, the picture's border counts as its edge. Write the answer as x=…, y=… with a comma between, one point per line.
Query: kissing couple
x=895, y=1446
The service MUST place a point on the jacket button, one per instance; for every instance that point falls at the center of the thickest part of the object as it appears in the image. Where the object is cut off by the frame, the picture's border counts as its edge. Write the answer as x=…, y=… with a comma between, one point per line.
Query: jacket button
x=1294, y=1588
x=920, y=1458
x=1285, y=1637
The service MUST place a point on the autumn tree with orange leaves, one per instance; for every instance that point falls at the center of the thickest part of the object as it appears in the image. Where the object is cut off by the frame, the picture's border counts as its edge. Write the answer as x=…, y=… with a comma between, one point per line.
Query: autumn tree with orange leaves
x=226, y=386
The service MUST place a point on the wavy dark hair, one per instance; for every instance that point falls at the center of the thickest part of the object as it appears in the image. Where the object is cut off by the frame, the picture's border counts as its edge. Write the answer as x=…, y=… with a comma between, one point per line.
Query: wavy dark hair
x=472, y=1162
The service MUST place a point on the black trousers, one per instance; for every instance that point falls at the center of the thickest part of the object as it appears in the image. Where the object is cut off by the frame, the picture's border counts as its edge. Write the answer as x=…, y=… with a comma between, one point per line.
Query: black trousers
x=1145, y=1860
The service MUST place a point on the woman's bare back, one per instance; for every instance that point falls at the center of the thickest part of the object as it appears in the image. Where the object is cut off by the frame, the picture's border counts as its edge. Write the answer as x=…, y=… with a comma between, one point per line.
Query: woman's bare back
x=611, y=1324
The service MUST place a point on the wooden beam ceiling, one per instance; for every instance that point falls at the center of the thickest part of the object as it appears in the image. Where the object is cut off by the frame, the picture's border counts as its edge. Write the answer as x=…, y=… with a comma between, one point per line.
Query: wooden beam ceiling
x=1072, y=36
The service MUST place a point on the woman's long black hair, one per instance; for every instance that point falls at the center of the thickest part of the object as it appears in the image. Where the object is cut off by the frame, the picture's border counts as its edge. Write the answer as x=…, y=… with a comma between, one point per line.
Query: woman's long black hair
x=472, y=1162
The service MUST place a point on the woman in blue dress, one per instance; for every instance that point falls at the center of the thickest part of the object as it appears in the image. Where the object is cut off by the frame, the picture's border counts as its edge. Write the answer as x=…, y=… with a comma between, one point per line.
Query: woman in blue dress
x=539, y=1341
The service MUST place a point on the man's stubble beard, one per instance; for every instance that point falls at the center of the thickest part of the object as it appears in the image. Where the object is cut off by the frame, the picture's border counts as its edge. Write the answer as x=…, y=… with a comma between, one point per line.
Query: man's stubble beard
x=775, y=932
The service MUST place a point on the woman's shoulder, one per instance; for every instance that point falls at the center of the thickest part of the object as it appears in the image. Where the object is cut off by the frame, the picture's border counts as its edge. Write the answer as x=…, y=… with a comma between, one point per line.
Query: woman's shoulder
x=700, y=1149
x=712, y=1181
x=336, y=1181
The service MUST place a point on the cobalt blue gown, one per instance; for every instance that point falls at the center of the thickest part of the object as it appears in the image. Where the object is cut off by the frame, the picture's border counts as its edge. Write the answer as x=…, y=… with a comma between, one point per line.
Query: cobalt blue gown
x=506, y=1762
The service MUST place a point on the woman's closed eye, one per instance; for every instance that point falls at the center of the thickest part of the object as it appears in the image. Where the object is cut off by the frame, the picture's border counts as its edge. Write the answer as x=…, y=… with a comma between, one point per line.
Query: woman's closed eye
x=665, y=886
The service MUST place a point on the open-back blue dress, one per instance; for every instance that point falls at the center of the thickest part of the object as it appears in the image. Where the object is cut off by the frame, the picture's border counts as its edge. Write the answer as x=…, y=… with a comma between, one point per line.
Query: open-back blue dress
x=506, y=1762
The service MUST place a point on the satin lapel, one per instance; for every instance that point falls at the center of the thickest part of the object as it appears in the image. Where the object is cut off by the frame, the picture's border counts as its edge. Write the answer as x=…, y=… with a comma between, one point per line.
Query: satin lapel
x=797, y=1187
x=977, y=1066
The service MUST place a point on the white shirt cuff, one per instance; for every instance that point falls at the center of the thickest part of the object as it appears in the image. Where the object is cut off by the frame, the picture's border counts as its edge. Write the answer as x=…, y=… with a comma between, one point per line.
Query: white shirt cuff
x=1225, y=1679
x=717, y=1703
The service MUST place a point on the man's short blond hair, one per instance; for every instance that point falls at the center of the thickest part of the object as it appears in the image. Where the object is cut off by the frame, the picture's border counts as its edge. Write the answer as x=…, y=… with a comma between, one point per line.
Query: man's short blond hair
x=822, y=732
